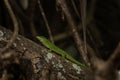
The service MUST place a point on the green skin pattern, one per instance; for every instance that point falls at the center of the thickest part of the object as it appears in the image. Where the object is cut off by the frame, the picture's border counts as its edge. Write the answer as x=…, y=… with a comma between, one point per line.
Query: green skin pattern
x=59, y=51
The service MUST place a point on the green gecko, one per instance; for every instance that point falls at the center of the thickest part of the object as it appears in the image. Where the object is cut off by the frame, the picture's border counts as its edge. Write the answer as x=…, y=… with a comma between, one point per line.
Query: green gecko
x=59, y=51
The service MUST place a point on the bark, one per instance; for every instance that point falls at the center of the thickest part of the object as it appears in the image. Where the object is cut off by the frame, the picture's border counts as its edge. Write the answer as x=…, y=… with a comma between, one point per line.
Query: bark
x=26, y=60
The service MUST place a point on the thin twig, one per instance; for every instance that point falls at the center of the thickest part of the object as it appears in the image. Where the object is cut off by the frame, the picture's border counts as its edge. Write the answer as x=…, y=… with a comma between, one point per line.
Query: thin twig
x=16, y=28
x=92, y=30
x=115, y=54
x=83, y=17
x=46, y=21
x=76, y=36
x=74, y=30
x=31, y=10
x=75, y=8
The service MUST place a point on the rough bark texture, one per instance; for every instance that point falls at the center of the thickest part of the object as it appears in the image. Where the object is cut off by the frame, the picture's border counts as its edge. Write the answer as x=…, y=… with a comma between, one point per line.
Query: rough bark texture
x=26, y=60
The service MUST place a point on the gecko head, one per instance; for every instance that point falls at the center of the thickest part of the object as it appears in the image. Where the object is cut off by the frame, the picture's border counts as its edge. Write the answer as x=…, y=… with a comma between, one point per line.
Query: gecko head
x=41, y=38
x=44, y=41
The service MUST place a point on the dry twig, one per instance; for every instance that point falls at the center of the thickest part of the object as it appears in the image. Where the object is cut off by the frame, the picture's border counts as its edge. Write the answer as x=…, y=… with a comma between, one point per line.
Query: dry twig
x=16, y=28
x=74, y=29
x=46, y=22
x=31, y=10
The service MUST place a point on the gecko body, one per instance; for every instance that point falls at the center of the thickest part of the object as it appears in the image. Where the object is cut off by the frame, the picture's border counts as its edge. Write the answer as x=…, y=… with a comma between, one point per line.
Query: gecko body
x=59, y=51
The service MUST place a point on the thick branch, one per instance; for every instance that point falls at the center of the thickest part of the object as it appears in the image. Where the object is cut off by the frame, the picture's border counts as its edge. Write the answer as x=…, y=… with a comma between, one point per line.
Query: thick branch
x=38, y=63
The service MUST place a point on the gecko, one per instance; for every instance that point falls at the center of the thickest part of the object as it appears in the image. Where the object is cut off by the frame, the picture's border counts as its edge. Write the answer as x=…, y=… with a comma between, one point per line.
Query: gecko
x=58, y=50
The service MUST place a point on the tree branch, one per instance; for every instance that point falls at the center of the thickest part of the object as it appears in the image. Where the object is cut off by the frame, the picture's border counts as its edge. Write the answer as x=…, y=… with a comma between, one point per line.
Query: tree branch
x=37, y=63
